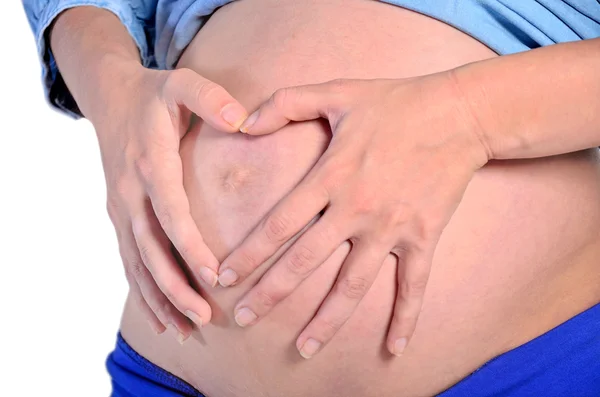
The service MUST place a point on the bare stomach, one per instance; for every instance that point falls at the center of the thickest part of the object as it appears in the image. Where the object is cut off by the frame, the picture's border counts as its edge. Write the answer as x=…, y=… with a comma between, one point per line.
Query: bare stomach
x=517, y=259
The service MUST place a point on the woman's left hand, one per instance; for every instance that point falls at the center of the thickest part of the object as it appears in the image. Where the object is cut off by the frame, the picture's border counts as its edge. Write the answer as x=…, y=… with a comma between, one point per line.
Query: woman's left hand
x=401, y=156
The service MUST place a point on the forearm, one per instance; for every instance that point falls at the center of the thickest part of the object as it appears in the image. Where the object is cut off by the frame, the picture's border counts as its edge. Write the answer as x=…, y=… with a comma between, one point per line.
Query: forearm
x=539, y=103
x=94, y=53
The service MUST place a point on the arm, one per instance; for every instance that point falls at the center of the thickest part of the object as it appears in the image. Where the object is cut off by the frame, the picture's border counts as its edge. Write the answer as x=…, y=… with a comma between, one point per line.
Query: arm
x=93, y=50
x=423, y=138
x=140, y=116
x=534, y=104
x=135, y=17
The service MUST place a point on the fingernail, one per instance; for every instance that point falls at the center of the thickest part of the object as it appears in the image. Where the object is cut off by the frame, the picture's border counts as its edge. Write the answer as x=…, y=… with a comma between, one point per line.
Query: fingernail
x=227, y=278
x=249, y=122
x=233, y=114
x=180, y=337
x=209, y=276
x=244, y=316
x=399, y=346
x=194, y=317
x=158, y=329
x=310, y=348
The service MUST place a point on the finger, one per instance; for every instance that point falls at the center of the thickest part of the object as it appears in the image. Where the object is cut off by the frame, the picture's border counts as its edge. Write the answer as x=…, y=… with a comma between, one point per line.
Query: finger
x=208, y=100
x=170, y=205
x=358, y=273
x=300, y=260
x=412, y=281
x=301, y=103
x=154, y=249
x=142, y=305
x=159, y=305
x=292, y=214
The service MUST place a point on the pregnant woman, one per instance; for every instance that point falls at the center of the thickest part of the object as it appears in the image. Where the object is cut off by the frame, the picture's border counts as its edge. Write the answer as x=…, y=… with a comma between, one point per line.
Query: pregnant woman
x=479, y=180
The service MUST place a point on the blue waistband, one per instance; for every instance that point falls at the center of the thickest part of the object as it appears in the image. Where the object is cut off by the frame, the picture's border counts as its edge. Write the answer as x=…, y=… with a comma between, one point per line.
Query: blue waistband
x=134, y=376
x=563, y=362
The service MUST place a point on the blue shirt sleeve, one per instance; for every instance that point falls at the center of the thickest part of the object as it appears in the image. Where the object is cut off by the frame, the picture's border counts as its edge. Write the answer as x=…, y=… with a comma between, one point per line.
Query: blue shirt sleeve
x=138, y=16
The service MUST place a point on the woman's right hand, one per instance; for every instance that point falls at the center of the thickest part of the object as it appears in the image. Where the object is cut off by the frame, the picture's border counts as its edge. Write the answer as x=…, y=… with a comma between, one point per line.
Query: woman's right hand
x=140, y=122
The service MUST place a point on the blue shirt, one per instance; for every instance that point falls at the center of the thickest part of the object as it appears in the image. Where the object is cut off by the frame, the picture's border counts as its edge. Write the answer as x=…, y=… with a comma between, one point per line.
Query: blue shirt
x=163, y=28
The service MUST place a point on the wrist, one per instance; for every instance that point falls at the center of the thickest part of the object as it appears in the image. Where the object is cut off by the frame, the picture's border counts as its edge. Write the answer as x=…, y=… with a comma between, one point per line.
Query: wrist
x=108, y=87
x=469, y=110
x=95, y=56
x=88, y=31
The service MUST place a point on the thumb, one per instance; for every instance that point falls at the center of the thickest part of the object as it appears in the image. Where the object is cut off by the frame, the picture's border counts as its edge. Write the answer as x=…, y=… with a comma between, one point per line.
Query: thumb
x=211, y=102
x=299, y=103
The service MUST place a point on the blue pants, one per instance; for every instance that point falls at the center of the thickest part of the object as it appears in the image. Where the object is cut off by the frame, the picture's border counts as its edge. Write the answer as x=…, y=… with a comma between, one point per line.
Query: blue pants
x=563, y=362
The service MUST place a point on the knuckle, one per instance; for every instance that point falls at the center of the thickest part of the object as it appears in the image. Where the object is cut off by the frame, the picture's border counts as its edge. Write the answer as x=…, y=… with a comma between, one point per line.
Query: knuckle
x=144, y=168
x=335, y=172
x=300, y=261
x=170, y=290
x=414, y=288
x=207, y=91
x=330, y=325
x=265, y=299
x=145, y=254
x=353, y=287
x=136, y=269
x=424, y=234
x=406, y=319
x=112, y=209
x=183, y=246
x=416, y=229
x=280, y=98
x=162, y=308
x=115, y=215
x=173, y=112
x=175, y=78
x=247, y=260
x=164, y=216
x=122, y=187
x=321, y=190
x=365, y=203
x=139, y=300
x=340, y=85
x=401, y=251
x=329, y=233
x=169, y=286
x=391, y=225
x=403, y=321
x=140, y=228
x=400, y=215
x=129, y=150
x=276, y=228
x=362, y=204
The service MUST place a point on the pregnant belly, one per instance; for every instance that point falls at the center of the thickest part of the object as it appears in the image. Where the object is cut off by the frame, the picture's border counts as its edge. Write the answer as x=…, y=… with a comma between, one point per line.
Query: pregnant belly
x=516, y=259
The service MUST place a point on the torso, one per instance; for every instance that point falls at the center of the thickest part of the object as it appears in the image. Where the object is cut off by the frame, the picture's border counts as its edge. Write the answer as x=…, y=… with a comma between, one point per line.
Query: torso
x=517, y=259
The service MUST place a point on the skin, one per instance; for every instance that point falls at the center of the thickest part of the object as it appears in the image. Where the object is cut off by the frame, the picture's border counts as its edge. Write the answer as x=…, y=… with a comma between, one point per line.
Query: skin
x=426, y=175
x=399, y=237
x=140, y=116
x=516, y=260
x=515, y=107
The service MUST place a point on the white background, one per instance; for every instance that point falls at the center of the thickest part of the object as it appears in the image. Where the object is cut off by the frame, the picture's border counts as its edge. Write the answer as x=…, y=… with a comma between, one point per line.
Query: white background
x=61, y=279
